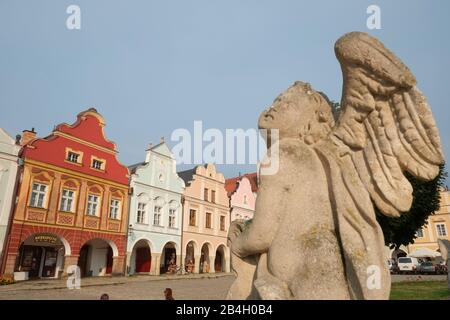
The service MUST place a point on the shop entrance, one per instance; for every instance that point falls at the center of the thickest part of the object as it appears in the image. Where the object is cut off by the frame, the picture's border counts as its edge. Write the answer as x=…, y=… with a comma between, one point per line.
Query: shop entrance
x=41, y=255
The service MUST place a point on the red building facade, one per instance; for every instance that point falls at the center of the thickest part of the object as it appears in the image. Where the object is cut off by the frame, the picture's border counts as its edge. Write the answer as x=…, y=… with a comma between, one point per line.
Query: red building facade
x=71, y=205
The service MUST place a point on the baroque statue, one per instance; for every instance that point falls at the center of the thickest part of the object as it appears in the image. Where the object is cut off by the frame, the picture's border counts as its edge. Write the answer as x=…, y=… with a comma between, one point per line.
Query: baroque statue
x=315, y=234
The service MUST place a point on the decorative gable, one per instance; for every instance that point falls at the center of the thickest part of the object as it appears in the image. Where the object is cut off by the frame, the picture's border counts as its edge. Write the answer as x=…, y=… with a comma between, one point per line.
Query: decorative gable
x=94, y=154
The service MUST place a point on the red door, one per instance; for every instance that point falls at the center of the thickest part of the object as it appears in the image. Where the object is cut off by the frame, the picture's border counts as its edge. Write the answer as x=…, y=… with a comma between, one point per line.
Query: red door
x=143, y=259
x=109, y=261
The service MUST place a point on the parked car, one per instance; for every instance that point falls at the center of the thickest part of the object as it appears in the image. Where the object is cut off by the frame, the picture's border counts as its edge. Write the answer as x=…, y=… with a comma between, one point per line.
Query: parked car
x=427, y=267
x=408, y=265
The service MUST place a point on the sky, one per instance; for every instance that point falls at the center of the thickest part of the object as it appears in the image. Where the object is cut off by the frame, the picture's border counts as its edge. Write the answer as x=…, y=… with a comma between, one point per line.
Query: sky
x=150, y=67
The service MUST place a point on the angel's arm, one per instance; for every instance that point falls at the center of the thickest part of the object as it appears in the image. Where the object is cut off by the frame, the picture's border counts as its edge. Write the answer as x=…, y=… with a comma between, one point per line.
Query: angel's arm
x=259, y=234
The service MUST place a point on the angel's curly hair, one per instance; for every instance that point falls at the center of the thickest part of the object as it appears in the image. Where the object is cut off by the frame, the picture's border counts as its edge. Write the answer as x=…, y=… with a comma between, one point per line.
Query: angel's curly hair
x=320, y=126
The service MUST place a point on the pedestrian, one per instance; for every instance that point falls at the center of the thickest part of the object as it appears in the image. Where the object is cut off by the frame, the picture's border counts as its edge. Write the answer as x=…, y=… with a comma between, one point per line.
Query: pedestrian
x=168, y=294
x=104, y=296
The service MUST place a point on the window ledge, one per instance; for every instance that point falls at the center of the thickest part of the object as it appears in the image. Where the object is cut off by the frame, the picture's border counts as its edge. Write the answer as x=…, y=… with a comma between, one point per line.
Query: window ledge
x=74, y=163
x=38, y=208
x=69, y=212
x=142, y=223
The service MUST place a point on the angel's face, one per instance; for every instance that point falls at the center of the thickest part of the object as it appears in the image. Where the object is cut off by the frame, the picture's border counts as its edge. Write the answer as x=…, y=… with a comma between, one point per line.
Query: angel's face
x=291, y=111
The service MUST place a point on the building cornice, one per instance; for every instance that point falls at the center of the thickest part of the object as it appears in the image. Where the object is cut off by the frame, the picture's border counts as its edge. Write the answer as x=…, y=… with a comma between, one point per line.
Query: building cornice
x=75, y=173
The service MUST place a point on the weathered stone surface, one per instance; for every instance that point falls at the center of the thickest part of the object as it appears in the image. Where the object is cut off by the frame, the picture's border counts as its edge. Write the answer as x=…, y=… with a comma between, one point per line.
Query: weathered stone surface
x=444, y=247
x=314, y=229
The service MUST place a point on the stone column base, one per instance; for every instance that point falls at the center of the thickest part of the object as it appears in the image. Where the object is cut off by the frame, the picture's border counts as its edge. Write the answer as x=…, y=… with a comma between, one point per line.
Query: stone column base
x=197, y=264
x=118, y=266
x=69, y=261
x=156, y=260
x=212, y=267
x=10, y=264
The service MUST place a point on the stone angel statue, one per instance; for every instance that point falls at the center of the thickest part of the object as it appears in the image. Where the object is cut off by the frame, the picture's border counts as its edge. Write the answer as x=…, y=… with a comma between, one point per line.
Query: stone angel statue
x=315, y=234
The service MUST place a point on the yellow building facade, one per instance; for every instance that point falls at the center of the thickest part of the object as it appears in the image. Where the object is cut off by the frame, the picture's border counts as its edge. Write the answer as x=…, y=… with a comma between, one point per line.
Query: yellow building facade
x=438, y=227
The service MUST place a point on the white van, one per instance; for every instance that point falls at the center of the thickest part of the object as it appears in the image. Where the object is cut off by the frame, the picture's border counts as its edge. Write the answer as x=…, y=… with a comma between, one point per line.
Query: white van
x=408, y=264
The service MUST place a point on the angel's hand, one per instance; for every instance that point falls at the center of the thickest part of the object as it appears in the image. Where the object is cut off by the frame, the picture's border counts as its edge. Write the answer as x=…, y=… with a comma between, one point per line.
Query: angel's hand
x=236, y=228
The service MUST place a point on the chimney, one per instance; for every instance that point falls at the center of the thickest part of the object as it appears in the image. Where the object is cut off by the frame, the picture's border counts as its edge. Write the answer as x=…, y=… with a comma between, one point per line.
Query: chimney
x=27, y=136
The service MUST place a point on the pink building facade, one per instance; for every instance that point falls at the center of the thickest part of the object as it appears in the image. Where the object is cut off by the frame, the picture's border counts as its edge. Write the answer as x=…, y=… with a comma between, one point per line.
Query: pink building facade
x=242, y=193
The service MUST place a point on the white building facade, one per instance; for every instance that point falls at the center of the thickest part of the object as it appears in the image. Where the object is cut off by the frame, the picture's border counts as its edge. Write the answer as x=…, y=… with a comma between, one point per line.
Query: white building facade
x=155, y=213
x=9, y=151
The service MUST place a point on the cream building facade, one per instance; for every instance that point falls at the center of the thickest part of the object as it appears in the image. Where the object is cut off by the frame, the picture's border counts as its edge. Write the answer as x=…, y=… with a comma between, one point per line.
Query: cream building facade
x=205, y=220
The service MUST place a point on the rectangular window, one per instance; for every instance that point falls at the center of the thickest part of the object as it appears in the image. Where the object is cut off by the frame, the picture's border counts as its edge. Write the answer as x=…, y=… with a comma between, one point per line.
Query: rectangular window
x=441, y=230
x=171, y=218
x=205, y=194
x=140, y=217
x=114, y=209
x=73, y=157
x=208, y=220
x=97, y=164
x=92, y=205
x=222, y=223
x=419, y=233
x=157, y=216
x=192, y=217
x=213, y=196
x=66, y=200
x=38, y=195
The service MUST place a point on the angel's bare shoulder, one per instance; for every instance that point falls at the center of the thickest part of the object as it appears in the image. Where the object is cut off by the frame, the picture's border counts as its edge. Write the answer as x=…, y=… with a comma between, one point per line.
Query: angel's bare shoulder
x=297, y=160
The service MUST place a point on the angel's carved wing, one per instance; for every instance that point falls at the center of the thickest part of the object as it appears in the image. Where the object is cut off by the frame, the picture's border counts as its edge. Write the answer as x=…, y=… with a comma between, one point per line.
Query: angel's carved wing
x=385, y=122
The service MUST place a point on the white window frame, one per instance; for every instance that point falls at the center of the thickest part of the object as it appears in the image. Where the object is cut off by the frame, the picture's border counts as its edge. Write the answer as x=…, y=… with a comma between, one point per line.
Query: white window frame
x=96, y=161
x=157, y=215
x=67, y=200
x=419, y=233
x=38, y=195
x=172, y=217
x=114, y=209
x=92, y=206
x=73, y=159
x=141, y=212
x=441, y=232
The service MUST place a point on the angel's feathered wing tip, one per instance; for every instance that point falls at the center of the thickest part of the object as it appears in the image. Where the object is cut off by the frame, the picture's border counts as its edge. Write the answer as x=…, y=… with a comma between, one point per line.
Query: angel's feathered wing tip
x=362, y=50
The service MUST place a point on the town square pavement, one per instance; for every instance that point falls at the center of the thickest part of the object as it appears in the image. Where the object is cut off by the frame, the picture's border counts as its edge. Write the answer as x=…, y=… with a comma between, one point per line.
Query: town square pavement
x=192, y=287
x=188, y=287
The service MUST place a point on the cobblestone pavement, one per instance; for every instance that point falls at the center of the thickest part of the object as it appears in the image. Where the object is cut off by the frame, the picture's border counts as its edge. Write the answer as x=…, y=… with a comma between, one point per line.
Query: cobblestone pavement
x=211, y=287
